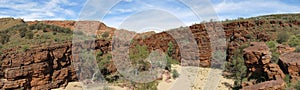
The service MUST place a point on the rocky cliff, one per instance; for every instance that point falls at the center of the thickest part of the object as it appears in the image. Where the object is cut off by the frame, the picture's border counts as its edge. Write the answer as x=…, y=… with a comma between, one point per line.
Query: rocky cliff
x=290, y=64
x=258, y=61
x=42, y=67
x=47, y=67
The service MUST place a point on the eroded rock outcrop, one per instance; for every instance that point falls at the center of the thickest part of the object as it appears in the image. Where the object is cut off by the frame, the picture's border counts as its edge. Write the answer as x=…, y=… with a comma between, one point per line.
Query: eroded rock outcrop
x=284, y=49
x=267, y=85
x=290, y=64
x=41, y=68
x=258, y=61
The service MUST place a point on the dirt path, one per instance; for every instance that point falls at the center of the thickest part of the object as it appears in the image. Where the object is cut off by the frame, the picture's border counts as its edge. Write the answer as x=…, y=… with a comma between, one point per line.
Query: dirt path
x=194, y=78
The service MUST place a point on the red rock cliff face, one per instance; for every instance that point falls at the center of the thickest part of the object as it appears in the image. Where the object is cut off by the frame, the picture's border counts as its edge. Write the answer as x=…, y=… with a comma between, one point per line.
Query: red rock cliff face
x=161, y=41
x=237, y=33
x=41, y=68
x=50, y=67
x=258, y=61
x=290, y=64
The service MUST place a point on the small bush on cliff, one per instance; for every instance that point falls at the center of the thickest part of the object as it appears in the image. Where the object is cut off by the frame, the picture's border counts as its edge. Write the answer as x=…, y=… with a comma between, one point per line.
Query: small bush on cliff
x=138, y=57
x=282, y=37
x=237, y=67
x=29, y=35
x=297, y=85
x=239, y=70
x=275, y=54
x=271, y=44
x=22, y=32
x=25, y=48
x=294, y=41
x=105, y=34
x=4, y=38
x=170, y=60
x=170, y=49
x=275, y=57
x=103, y=62
x=287, y=80
x=175, y=74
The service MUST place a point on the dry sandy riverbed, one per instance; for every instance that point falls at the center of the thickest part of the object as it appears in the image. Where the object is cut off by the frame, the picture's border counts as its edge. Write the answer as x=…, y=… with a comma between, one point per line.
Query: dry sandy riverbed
x=194, y=78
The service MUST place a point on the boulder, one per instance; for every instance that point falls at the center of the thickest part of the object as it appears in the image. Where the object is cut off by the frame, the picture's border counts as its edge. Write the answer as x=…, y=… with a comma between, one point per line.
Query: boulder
x=290, y=64
x=17, y=84
x=267, y=85
x=284, y=49
x=258, y=61
x=258, y=53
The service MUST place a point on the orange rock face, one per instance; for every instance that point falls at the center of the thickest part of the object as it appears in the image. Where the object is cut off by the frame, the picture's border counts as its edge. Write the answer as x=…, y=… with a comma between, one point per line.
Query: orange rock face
x=257, y=59
x=268, y=85
x=290, y=64
x=65, y=24
x=284, y=49
x=41, y=68
x=50, y=67
x=257, y=54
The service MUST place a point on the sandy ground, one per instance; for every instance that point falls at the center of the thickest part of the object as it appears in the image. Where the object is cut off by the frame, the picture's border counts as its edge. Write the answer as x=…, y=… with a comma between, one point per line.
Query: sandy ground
x=196, y=78
x=191, y=78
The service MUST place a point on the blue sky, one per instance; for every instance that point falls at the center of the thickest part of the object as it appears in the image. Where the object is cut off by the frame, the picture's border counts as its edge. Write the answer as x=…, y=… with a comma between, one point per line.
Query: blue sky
x=71, y=9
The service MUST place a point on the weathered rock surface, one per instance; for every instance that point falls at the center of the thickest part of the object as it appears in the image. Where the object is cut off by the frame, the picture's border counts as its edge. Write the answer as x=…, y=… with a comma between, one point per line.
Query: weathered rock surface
x=290, y=64
x=41, y=68
x=257, y=59
x=284, y=49
x=267, y=85
x=50, y=67
x=257, y=54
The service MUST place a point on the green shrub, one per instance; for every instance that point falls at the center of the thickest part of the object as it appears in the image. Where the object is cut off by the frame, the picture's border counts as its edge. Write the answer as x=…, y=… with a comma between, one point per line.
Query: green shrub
x=105, y=34
x=237, y=67
x=56, y=39
x=275, y=57
x=170, y=49
x=271, y=44
x=104, y=61
x=170, y=61
x=22, y=32
x=297, y=85
x=4, y=38
x=99, y=54
x=282, y=37
x=287, y=80
x=240, y=69
x=248, y=36
x=175, y=74
x=45, y=36
x=29, y=35
x=294, y=41
x=147, y=86
x=25, y=48
x=138, y=54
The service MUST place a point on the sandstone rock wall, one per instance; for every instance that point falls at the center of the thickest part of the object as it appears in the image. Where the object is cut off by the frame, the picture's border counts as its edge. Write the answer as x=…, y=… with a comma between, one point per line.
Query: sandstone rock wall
x=258, y=61
x=290, y=64
x=41, y=68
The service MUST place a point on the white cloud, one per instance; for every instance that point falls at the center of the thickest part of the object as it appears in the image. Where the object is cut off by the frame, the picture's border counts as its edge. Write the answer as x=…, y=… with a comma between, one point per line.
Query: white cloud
x=32, y=10
x=151, y=19
x=249, y=8
x=181, y=14
x=127, y=0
